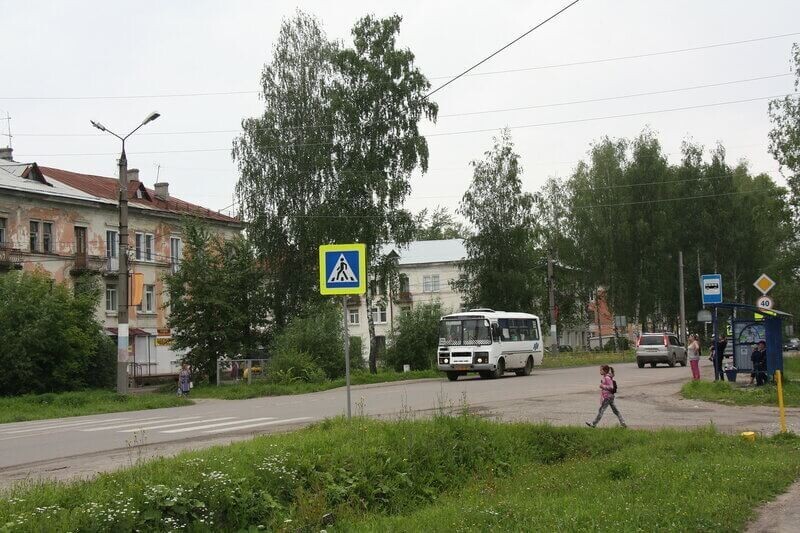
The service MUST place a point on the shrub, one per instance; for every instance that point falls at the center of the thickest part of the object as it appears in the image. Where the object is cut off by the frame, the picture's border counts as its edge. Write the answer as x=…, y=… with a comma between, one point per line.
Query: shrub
x=292, y=367
x=318, y=334
x=50, y=340
x=415, y=338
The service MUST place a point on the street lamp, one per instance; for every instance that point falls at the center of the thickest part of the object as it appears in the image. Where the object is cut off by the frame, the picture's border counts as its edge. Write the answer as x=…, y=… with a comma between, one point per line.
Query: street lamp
x=122, y=289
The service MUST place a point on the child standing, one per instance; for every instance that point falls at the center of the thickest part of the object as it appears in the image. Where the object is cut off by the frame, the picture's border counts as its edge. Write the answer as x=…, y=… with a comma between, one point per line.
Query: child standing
x=607, y=396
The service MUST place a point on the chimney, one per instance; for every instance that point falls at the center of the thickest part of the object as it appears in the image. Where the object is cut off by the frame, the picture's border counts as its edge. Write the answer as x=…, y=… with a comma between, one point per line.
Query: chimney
x=133, y=174
x=162, y=190
x=5, y=153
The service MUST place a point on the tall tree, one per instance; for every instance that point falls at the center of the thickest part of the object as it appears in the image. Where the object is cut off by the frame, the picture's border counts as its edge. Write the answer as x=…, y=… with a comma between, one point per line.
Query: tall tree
x=503, y=269
x=284, y=159
x=785, y=134
x=437, y=225
x=216, y=299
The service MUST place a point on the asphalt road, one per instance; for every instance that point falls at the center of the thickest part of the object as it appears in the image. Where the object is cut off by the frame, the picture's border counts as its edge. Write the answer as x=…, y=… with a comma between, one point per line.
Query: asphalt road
x=81, y=446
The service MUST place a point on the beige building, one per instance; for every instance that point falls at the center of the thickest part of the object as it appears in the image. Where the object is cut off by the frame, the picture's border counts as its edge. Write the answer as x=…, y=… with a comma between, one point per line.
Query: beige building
x=67, y=224
x=426, y=269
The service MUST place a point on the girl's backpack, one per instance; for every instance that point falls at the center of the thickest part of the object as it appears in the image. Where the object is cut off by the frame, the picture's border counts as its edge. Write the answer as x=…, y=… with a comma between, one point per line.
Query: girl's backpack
x=614, y=386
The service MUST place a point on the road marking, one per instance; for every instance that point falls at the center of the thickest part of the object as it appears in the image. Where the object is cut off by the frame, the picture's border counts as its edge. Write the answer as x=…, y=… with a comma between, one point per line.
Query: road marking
x=258, y=424
x=70, y=425
x=152, y=419
x=197, y=428
x=147, y=428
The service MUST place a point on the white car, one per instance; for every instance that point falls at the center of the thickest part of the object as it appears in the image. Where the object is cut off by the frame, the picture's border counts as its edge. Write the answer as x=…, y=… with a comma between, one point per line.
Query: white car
x=654, y=348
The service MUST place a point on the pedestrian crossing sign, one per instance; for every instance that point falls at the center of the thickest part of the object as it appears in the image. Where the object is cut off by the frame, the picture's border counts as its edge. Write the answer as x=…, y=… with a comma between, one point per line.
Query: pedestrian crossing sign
x=342, y=268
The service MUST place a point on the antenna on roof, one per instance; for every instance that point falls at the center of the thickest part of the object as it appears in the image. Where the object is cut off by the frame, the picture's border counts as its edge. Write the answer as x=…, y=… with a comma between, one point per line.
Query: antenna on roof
x=7, y=118
x=158, y=170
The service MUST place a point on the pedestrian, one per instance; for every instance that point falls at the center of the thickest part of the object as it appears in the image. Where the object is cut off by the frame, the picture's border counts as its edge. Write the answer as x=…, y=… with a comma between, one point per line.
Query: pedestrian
x=718, y=355
x=693, y=351
x=759, y=359
x=608, y=388
x=184, y=380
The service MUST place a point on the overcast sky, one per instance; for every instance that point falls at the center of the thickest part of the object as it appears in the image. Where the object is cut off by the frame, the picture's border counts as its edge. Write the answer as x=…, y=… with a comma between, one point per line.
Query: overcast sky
x=54, y=52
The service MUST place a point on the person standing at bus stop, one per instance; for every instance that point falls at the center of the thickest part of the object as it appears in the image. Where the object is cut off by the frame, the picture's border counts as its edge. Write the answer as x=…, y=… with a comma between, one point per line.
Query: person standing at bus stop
x=759, y=359
x=693, y=351
x=719, y=353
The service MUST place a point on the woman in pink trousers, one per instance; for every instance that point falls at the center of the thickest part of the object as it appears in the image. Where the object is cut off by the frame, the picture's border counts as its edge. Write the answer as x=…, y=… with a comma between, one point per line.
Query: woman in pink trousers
x=693, y=353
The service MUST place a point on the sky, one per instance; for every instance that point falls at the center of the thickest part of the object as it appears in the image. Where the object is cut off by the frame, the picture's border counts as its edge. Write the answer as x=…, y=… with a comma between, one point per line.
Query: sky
x=64, y=63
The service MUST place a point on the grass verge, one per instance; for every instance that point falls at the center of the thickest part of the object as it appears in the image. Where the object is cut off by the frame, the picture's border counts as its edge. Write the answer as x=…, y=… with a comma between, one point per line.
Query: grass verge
x=259, y=389
x=445, y=474
x=79, y=403
x=572, y=359
x=734, y=394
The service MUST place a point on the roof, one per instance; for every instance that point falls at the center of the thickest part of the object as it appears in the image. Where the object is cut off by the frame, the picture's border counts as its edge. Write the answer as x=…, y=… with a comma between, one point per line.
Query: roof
x=421, y=252
x=490, y=313
x=133, y=332
x=105, y=188
x=28, y=178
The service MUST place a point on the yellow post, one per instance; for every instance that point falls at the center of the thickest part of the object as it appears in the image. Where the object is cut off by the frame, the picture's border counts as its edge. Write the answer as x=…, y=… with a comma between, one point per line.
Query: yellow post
x=781, y=410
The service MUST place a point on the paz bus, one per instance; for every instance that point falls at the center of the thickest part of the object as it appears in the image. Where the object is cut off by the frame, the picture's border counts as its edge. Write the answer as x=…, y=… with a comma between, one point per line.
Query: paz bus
x=490, y=343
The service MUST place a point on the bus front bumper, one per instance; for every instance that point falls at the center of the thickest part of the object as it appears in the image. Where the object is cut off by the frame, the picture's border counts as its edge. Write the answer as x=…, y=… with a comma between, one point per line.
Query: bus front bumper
x=465, y=367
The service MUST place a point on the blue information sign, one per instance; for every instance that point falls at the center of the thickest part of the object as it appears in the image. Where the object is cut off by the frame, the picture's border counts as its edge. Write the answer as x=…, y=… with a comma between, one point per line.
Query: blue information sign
x=712, y=288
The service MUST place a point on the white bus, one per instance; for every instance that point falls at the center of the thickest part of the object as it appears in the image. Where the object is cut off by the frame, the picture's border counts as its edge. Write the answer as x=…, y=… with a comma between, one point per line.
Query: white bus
x=490, y=343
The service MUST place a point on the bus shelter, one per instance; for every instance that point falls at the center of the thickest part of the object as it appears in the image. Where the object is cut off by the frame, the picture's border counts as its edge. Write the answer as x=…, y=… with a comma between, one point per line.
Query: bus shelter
x=749, y=325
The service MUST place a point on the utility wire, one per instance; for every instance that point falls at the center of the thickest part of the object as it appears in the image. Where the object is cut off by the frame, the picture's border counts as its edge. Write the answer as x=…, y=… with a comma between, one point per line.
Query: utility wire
x=461, y=132
x=487, y=58
x=461, y=114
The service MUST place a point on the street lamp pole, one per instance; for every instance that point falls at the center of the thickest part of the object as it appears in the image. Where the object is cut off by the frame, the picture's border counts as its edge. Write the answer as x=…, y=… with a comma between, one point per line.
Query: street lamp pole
x=122, y=286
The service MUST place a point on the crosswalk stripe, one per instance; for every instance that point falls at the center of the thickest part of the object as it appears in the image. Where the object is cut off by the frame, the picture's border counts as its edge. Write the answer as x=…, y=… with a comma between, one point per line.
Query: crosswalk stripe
x=206, y=426
x=247, y=426
x=60, y=426
x=151, y=419
x=148, y=428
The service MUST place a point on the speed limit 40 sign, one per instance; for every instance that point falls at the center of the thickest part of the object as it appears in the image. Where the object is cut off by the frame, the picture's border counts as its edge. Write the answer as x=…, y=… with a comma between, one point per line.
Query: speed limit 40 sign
x=765, y=302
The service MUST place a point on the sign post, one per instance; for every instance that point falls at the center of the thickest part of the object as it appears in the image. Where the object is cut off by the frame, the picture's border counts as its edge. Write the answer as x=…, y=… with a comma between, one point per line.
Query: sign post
x=343, y=271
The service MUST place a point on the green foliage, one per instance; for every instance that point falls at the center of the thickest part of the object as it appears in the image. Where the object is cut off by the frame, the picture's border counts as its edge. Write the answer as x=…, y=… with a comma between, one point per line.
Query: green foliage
x=81, y=403
x=784, y=137
x=50, y=340
x=421, y=475
x=503, y=267
x=288, y=367
x=216, y=299
x=416, y=338
x=317, y=335
x=437, y=225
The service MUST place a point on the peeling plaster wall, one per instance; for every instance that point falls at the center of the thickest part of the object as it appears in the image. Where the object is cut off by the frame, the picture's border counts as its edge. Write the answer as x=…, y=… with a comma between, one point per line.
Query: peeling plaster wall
x=20, y=210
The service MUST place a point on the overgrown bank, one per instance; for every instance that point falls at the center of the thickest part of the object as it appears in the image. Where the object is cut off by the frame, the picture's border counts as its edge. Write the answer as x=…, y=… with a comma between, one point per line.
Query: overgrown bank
x=443, y=474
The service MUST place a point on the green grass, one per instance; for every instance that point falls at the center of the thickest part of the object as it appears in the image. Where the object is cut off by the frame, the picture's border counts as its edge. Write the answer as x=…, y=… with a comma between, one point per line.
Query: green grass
x=734, y=394
x=262, y=388
x=57, y=405
x=572, y=359
x=445, y=474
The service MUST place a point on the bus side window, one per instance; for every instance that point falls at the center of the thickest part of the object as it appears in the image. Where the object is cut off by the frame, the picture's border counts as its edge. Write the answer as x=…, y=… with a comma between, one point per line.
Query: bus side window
x=534, y=329
x=503, y=323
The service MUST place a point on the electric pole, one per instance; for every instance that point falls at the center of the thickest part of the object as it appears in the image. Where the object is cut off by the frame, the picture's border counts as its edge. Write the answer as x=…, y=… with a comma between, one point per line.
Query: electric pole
x=552, y=296
x=682, y=335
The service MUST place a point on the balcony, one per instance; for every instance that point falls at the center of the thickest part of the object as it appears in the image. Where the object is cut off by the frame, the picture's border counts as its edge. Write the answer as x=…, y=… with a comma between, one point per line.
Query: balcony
x=87, y=264
x=354, y=300
x=404, y=297
x=10, y=258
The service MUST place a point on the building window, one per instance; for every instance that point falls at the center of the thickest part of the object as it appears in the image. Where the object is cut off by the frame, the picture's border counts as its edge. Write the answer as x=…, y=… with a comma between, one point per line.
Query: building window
x=353, y=317
x=34, y=236
x=139, y=245
x=112, y=244
x=175, y=252
x=379, y=314
x=148, y=247
x=47, y=237
x=111, y=298
x=405, y=309
x=430, y=283
x=80, y=241
x=2, y=230
x=405, y=286
x=148, y=299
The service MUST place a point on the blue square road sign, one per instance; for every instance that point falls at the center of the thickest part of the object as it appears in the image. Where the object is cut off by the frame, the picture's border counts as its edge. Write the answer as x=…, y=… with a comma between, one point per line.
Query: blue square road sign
x=342, y=269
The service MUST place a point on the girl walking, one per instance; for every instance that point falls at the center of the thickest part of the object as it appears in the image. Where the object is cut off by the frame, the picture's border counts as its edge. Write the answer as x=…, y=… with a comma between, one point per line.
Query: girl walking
x=693, y=351
x=607, y=396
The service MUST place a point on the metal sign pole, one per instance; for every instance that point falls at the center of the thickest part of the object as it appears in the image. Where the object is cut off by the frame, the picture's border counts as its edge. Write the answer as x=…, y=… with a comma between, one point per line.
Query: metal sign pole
x=346, y=336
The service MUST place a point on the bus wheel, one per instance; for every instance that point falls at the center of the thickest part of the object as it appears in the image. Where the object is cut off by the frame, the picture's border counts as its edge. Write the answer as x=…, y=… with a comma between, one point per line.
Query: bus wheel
x=452, y=376
x=528, y=368
x=501, y=368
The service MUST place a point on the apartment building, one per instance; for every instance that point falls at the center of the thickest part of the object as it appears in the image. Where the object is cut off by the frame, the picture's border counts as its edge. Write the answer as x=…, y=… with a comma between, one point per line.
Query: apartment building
x=67, y=224
x=425, y=269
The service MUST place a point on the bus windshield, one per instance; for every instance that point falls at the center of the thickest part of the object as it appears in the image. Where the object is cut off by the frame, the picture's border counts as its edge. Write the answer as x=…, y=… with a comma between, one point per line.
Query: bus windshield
x=467, y=332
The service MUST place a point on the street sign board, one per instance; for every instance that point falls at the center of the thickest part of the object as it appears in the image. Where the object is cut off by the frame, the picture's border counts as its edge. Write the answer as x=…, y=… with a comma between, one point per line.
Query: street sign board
x=343, y=268
x=712, y=288
x=764, y=284
x=704, y=315
x=765, y=302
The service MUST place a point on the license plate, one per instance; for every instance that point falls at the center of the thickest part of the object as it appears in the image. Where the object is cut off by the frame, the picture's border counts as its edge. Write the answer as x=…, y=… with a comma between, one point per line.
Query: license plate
x=462, y=367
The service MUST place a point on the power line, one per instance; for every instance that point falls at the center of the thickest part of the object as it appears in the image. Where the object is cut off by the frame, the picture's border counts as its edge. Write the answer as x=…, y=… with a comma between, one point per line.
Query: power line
x=466, y=113
x=661, y=200
x=487, y=58
x=461, y=132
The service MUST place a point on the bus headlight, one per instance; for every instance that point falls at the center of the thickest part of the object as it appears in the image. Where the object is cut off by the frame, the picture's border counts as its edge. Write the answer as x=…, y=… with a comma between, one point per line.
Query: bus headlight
x=481, y=357
x=446, y=360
